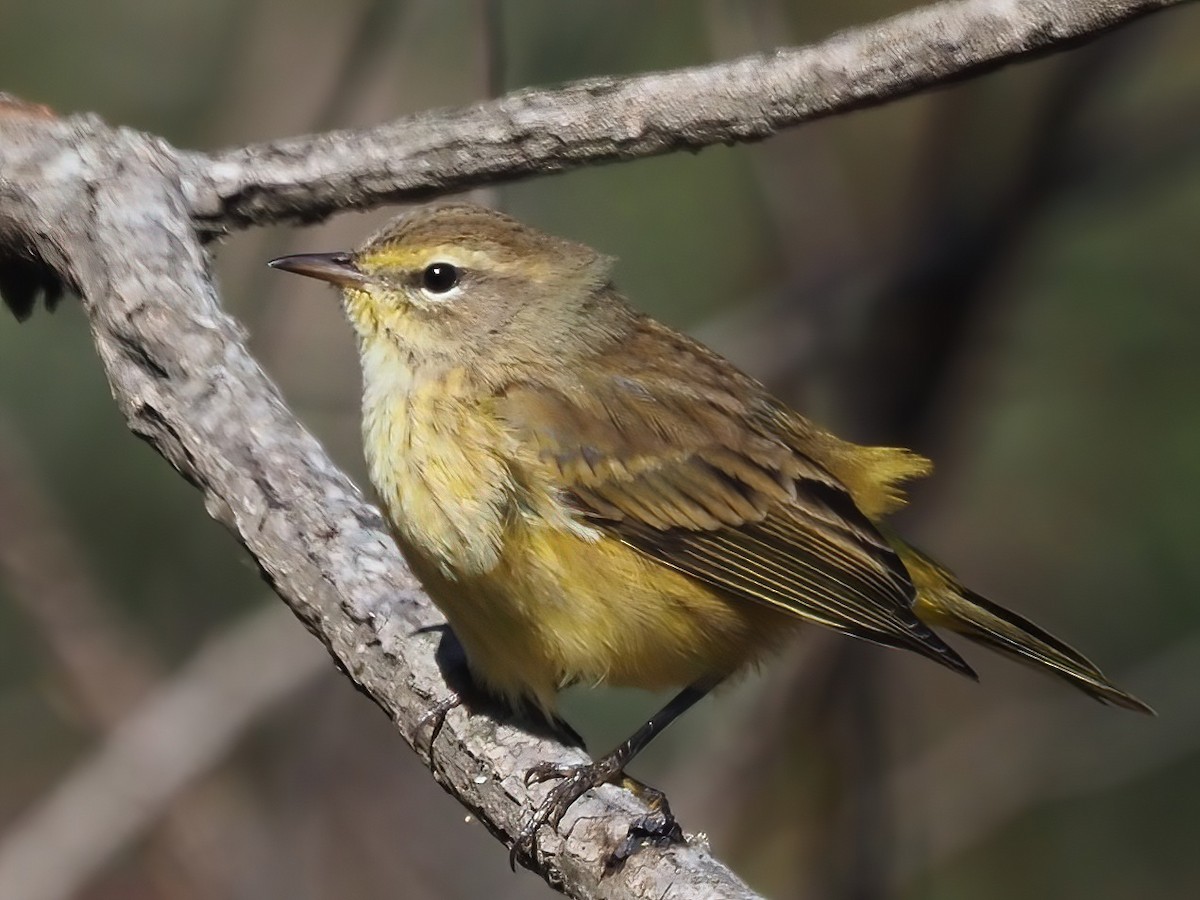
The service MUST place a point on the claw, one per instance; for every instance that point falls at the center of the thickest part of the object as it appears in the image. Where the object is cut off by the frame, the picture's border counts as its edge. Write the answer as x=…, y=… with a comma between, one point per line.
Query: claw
x=547, y=771
x=657, y=828
x=576, y=780
x=435, y=717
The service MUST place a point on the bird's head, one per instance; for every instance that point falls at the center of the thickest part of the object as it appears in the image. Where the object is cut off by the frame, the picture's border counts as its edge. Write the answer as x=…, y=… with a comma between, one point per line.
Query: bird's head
x=464, y=284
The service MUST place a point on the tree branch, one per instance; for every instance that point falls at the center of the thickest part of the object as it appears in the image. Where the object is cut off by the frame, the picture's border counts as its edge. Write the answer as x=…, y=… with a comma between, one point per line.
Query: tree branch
x=611, y=119
x=102, y=208
x=115, y=214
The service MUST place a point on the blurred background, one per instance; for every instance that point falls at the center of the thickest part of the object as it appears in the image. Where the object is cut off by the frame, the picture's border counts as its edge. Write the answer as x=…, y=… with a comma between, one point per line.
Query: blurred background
x=1002, y=274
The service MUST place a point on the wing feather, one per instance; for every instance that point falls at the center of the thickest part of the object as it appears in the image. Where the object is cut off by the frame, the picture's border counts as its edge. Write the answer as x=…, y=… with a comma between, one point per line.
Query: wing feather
x=716, y=487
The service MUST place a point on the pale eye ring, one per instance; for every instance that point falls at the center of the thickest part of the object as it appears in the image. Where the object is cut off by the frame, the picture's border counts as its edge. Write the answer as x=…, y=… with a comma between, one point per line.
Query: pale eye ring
x=440, y=277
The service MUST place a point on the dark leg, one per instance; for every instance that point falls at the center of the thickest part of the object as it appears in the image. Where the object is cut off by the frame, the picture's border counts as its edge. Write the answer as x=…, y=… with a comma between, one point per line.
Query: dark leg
x=579, y=779
x=567, y=734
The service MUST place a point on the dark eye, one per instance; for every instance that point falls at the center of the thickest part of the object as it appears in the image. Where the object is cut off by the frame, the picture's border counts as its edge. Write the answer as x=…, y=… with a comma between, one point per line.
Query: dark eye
x=439, y=277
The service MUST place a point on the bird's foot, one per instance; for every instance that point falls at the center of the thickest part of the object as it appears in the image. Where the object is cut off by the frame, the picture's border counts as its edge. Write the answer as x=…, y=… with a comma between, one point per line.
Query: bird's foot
x=575, y=781
x=657, y=828
x=433, y=719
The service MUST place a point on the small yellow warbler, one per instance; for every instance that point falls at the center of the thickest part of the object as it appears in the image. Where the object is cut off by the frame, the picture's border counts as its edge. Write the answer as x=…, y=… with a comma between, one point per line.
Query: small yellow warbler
x=591, y=497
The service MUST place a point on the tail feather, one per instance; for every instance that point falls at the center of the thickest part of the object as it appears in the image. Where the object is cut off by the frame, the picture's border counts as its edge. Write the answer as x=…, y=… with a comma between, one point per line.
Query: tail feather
x=943, y=602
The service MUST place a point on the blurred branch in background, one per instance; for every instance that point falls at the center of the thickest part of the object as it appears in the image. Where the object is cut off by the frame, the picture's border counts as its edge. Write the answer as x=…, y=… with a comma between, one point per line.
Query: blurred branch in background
x=178, y=733
x=956, y=244
x=103, y=666
x=212, y=836
x=1009, y=762
x=814, y=226
x=493, y=64
x=493, y=61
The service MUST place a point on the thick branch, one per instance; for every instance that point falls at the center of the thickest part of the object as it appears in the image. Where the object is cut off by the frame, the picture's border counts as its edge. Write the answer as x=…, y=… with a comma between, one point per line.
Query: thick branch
x=609, y=119
x=104, y=210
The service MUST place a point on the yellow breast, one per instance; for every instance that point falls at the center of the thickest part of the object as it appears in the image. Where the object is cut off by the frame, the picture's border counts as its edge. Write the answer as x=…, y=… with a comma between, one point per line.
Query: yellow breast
x=537, y=599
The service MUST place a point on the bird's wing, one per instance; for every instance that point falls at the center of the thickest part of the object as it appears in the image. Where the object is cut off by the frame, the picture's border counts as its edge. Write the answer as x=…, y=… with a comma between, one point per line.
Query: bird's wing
x=695, y=478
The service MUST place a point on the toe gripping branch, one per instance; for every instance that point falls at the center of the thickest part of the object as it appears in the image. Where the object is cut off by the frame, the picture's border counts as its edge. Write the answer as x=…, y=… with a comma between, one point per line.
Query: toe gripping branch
x=656, y=828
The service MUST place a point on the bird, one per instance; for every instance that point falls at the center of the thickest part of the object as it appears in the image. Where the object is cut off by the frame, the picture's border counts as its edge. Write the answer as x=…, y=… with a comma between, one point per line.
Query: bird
x=591, y=497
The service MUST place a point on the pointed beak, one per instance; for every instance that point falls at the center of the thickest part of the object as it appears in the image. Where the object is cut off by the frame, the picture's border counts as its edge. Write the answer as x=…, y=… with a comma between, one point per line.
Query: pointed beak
x=336, y=268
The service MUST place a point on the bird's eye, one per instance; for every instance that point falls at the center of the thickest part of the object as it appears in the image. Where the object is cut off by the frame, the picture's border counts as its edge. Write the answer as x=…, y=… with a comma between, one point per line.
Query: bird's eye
x=439, y=277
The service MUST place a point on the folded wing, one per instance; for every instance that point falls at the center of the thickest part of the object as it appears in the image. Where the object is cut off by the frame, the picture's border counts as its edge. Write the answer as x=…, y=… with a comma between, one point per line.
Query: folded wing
x=707, y=483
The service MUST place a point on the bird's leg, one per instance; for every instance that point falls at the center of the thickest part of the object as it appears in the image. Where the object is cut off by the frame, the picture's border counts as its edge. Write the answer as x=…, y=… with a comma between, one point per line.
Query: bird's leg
x=567, y=733
x=576, y=780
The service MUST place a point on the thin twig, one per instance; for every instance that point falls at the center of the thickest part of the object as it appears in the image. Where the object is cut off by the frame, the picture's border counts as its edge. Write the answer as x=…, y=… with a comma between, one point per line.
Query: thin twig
x=611, y=119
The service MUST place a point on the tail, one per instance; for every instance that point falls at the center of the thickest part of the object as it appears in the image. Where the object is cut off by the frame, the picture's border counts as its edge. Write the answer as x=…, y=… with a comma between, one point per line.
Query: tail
x=944, y=603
